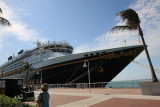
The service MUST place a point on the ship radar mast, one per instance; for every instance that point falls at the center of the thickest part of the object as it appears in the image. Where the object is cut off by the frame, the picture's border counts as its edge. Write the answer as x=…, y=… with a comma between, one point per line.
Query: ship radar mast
x=38, y=44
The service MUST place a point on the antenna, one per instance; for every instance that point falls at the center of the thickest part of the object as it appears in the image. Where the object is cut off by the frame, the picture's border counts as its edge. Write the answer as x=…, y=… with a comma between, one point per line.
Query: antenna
x=38, y=43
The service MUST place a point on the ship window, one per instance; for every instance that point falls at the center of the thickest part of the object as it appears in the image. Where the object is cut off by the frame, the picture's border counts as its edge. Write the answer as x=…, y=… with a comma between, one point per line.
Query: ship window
x=103, y=52
x=91, y=54
x=69, y=47
x=86, y=55
x=69, y=51
x=63, y=50
x=58, y=45
x=97, y=53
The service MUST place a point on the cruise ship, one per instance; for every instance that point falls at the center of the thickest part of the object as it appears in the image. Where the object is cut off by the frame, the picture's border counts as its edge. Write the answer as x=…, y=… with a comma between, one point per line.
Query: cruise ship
x=54, y=63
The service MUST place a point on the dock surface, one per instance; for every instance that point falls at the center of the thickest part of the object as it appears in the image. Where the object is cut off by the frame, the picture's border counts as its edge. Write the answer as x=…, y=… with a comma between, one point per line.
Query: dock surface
x=99, y=97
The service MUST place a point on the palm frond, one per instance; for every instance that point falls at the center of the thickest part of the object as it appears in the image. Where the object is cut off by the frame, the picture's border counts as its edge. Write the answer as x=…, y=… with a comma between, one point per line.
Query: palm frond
x=121, y=28
x=1, y=10
x=132, y=24
x=4, y=22
x=129, y=15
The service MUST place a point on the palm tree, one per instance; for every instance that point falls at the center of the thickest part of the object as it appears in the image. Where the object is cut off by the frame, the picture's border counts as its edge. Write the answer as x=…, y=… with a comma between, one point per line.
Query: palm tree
x=27, y=67
x=132, y=22
x=3, y=21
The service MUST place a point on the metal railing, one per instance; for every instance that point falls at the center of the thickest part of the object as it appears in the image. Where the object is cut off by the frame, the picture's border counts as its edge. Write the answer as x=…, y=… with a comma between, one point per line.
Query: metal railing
x=121, y=84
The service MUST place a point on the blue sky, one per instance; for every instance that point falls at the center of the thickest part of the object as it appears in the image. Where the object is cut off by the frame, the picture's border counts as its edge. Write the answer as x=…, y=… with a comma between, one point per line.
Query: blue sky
x=85, y=24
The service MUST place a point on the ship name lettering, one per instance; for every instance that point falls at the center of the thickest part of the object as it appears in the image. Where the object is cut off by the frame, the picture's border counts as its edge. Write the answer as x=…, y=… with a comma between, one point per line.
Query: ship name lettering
x=122, y=53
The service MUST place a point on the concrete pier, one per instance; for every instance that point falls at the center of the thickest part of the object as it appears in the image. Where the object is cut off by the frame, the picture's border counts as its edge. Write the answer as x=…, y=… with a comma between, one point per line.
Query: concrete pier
x=100, y=97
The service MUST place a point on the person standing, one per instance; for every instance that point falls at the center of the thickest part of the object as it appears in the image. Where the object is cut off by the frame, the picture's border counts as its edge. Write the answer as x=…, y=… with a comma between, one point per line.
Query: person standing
x=43, y=97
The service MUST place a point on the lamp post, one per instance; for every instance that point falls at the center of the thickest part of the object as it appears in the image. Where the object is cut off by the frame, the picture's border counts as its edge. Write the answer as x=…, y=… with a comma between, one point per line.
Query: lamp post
x=41, y=74
x=85, y=65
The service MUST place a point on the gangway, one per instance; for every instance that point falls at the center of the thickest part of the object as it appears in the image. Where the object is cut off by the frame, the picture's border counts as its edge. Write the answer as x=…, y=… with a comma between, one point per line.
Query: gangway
x=146, y=66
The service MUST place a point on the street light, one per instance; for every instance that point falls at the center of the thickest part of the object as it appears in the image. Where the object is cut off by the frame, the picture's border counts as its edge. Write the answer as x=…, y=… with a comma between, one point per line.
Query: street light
x=85, y=65
x=41, y=74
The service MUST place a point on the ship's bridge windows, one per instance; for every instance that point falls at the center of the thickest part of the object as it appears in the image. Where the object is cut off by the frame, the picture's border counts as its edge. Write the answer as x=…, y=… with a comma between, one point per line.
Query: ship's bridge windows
x=69, y=51
x=55, y=50
x=59, y=46
x=49, y=47
x=62, y=50
x=27, y=52
x=69, y=47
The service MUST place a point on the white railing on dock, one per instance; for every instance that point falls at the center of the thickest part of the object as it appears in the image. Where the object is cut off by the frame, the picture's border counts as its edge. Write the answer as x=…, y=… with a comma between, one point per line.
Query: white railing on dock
x=121, y=84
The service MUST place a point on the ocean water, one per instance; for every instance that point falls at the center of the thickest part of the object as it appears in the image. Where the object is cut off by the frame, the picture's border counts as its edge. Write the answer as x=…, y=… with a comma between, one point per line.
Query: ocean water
x=126, y=84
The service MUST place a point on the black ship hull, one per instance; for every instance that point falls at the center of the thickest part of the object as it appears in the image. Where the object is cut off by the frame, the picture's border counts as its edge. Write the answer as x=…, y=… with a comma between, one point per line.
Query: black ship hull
x=103, y=67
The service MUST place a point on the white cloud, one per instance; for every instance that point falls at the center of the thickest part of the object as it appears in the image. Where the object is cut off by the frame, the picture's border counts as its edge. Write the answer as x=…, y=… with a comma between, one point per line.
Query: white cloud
x=110, y=40
x=19, y=29
x=149, y=13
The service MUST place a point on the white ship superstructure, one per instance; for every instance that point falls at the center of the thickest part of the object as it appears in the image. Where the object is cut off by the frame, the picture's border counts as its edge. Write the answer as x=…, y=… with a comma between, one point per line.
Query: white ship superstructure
x=37, y=57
